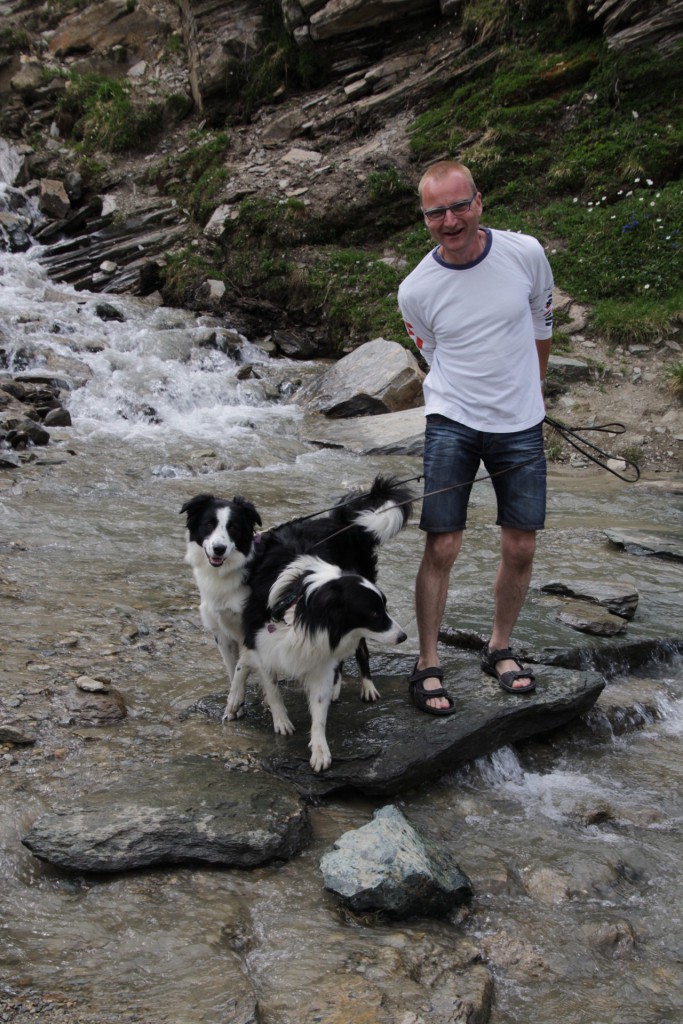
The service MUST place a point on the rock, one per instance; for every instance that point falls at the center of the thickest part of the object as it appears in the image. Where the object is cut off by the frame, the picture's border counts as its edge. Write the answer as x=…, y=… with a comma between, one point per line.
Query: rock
x=590, y=618
x=629, y=26
x=193, y=810
x=17, y=735
x=103, y=27
x=341, y=17
x=389, y=746
x=389, y=866
x=102, y=707
x=393, y=433
x=12, y=162
x=612, y=938
x=619, y=598
x=378, y=377
x=564, y=370
x=53, y=198
x=107, y=311
x=657, y=543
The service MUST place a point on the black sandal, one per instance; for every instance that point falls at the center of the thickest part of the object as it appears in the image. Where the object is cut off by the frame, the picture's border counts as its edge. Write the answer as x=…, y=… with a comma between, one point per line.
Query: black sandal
x=489, y=660
x=420, y=696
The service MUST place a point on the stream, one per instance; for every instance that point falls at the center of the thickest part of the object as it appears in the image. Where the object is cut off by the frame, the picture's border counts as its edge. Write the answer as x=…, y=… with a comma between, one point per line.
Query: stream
x=572, y=842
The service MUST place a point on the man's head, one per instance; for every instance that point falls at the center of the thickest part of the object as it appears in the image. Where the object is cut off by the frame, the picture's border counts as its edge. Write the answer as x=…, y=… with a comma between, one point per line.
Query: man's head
x=452, y=207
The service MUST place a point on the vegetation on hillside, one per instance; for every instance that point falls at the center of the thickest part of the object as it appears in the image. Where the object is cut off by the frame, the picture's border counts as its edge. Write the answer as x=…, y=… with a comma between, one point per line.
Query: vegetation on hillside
x=569, y=141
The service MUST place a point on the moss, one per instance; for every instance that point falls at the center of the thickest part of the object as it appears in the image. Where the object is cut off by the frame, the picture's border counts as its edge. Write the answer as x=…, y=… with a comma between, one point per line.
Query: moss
x=185, y=272
x=105, y=117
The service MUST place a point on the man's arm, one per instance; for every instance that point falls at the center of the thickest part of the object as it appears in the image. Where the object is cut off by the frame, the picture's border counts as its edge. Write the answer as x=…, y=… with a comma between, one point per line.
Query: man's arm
x=543, y=349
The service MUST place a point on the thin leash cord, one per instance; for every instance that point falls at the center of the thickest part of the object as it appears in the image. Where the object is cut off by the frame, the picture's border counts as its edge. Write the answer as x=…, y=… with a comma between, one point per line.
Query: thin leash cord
x=429, y=494
x=570, y=434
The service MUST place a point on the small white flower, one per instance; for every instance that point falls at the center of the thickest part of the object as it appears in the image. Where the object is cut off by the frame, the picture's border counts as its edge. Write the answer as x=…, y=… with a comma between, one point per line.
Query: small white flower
x=620, y=192
x=649, y=181
x=652, y=204
x=637, y=180
x=645, y=287
x=635, y=114
x=575, y=200
x=629, y=193
x=613, y=217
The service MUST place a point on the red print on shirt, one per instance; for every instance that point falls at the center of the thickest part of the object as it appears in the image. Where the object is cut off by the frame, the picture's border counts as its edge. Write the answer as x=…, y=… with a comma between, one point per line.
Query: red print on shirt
x=418, y=341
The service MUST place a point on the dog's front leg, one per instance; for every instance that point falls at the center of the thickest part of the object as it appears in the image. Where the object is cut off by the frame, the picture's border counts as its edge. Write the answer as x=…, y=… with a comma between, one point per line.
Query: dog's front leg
x=368, y=690
x=234, y=707
x=271, y=692
x=319, y=697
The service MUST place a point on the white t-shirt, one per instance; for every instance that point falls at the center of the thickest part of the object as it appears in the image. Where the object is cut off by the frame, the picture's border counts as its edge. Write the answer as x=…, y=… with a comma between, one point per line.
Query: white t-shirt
x=476, y=324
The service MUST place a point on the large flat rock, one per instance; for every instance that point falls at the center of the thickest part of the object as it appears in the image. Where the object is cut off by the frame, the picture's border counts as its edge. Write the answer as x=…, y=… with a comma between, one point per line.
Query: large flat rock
x=390, y=746
x=192, y=810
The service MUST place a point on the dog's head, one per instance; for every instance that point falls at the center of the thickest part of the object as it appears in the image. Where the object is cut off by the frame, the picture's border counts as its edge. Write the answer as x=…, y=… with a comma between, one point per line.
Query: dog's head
x=220, y=526
x=346, y=606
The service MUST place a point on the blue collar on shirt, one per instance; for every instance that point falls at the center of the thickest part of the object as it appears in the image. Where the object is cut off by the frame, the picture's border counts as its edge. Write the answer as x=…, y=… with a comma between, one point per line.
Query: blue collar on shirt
x=465, y=266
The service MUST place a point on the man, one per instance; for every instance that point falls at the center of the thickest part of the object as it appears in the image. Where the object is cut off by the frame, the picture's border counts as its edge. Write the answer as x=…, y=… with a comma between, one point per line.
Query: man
x=479, y=308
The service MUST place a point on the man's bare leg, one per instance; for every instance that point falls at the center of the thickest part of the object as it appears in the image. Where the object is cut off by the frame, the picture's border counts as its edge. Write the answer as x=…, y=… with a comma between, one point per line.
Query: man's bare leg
x=517, y=549
x=431, y=592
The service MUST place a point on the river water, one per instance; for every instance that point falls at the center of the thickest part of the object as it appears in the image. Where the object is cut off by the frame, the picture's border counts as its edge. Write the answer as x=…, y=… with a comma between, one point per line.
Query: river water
x=572, y=843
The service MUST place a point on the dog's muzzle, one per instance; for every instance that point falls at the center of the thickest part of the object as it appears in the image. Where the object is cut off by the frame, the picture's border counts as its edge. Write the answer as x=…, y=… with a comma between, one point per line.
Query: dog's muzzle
x=216, y=557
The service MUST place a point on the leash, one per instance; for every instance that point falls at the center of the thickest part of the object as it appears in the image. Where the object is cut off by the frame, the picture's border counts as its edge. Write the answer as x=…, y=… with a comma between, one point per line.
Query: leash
x=572, y=435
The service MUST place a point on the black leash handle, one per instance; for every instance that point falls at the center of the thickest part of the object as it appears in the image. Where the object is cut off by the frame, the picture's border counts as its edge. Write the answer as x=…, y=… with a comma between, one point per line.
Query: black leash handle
x=572, y=436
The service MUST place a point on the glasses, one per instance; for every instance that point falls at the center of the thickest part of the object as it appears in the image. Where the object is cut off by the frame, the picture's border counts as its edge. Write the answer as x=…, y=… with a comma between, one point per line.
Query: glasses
x=439, y=212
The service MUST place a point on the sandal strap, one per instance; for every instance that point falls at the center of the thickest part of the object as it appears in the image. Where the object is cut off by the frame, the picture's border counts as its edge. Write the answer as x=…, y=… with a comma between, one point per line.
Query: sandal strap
x=504, y=654
x=509, y=677
x=425, y=673
x=417, y=686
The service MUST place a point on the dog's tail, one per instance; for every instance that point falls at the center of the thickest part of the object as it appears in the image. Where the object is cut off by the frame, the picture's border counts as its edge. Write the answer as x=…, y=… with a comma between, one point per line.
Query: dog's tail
x=382, y=511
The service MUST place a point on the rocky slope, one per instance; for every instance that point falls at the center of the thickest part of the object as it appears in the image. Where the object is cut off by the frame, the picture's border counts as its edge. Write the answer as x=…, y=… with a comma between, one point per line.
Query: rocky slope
x=384, y=62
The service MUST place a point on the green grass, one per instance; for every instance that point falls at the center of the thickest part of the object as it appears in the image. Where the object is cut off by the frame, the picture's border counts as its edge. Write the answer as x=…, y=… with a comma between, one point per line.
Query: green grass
x=582, y=148
x=567, y=140
x=674, y=379
x=106, y=118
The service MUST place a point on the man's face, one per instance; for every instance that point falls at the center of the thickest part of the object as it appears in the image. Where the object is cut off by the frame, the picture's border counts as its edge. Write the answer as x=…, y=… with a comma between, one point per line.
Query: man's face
x=456, y=233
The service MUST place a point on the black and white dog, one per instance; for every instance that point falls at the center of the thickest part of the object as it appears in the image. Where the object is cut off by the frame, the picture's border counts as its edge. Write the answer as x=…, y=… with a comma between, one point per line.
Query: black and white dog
x=220, y=545
x=307, y=594
x=312, y=616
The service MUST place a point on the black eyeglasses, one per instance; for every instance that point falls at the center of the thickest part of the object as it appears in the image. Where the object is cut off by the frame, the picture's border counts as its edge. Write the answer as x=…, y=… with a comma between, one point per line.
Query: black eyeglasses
x=439, y=212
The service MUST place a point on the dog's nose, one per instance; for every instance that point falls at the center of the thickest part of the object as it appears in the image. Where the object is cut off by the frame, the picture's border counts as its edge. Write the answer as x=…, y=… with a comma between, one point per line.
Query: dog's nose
x=219, y=550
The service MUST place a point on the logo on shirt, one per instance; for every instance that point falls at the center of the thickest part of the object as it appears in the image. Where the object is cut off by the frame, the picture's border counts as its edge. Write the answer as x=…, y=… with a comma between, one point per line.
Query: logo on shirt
x=411, y=333
x=548, y=310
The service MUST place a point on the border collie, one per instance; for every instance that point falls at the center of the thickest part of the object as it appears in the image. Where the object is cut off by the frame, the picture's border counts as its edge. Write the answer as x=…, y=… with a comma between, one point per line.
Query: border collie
x=236, y=570
x=301, y=621
x=220, y=545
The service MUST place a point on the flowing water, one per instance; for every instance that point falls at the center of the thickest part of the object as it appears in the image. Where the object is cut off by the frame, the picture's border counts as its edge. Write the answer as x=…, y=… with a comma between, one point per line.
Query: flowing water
x=572, y=843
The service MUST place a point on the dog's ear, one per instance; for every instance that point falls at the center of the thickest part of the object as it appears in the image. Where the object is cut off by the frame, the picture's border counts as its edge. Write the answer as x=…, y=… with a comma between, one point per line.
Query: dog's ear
x=248, y=508
x=196, y=505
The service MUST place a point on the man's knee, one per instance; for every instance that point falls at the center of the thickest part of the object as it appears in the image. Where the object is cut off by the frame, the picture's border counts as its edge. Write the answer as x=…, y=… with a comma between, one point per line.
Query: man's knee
x=518, y=546
x=441, y=549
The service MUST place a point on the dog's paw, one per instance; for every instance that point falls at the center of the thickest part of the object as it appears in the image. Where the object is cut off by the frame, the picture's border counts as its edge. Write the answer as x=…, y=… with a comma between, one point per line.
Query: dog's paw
x=368, y=690
x=283, y=726
x=321, y=759
x=230, y=713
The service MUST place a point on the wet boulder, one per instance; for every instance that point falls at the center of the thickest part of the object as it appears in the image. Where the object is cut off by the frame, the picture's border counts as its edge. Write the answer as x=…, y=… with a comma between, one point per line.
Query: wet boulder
x=388, y=866
x=378, y=377
x=193, y=810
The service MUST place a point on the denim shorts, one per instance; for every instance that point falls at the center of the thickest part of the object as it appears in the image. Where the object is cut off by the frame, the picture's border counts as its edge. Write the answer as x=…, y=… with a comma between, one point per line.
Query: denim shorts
x=515, y=461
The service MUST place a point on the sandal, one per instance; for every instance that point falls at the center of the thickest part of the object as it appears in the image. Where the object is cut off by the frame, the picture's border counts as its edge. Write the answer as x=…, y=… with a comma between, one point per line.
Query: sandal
x=489, y=660
x=420, y=696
